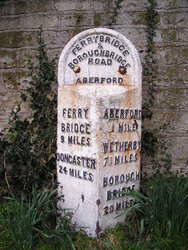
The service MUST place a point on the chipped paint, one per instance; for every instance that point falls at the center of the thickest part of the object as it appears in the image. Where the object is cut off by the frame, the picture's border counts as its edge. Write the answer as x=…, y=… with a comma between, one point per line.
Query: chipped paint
x=98, y=229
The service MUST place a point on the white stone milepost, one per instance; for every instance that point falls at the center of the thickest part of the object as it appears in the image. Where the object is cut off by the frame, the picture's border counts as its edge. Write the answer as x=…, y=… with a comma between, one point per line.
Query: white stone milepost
x=99, y=127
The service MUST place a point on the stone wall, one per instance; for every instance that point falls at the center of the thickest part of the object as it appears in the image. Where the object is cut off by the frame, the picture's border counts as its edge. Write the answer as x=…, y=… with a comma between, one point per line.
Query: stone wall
x=60, y=20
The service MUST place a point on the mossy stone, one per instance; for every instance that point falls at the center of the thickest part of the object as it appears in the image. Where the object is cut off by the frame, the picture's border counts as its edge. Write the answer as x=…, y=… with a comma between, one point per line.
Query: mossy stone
x=97, y=19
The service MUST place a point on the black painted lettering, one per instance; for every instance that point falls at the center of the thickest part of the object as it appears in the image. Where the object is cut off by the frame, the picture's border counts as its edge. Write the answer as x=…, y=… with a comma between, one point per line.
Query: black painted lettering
x=93, y=164
x=84, y=55
x=78, y=47
x=83, y=43
x=62, y=139
x=80, y=58
x=116, y=179
x=88, y=142
x=90, y=61
x=75, y=61
x=111, y=180
x=105, y=147
x=109, y=195
x=107, y=40
x=105, y=114
x=101, y=38
x=137, y=176
x=96, y=80
x=105, y=210
x=84, y=175
x=105, y=181
x=63, y=127
x=60, y=169
x=71, y=171
x=89, y=40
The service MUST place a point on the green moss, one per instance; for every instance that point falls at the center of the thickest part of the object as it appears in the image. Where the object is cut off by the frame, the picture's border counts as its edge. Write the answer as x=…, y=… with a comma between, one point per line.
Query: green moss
x=169, y=35
x=31, y=6
x=139, y=18
x=157, y=18
x=6, y=53
x=11, y=39
x=15, y=39
x=184, y=53
x=167, y=57
x=171, y=57
x=175, y=90
x=172, y=106
x=171, y=114
x=175, y=97
x=181, y=158
x=97, y=19
x=10, y=79
x=13, y=78
x=171, y=73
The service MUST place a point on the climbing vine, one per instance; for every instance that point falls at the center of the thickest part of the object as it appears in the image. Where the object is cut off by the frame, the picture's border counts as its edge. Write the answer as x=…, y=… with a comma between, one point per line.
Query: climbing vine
x=150, y=65
x=150, y=138
x=115, y=12
x=28, y=151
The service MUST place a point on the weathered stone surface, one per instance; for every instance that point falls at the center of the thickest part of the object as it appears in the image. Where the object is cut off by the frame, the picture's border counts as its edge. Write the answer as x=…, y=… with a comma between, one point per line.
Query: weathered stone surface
x=178, y=19
x=134, y=5
x=28, y=21
x=75, y=5
x=23, y=7
x=17, y=58
x=177, y=125
x=173, y=4
x=173, y=98
x=180, y=150
x=7, y=58
x=172, y=56
x=16, y=39
x=99, y=127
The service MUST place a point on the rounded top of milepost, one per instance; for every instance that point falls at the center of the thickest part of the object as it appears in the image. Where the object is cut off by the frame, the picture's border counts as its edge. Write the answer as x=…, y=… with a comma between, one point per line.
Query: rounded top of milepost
x=99, y=56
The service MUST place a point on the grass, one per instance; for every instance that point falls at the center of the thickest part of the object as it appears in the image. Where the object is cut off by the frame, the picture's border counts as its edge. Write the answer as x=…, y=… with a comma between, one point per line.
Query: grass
x=158, y=220
x=162, y=207
x=27, y=223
